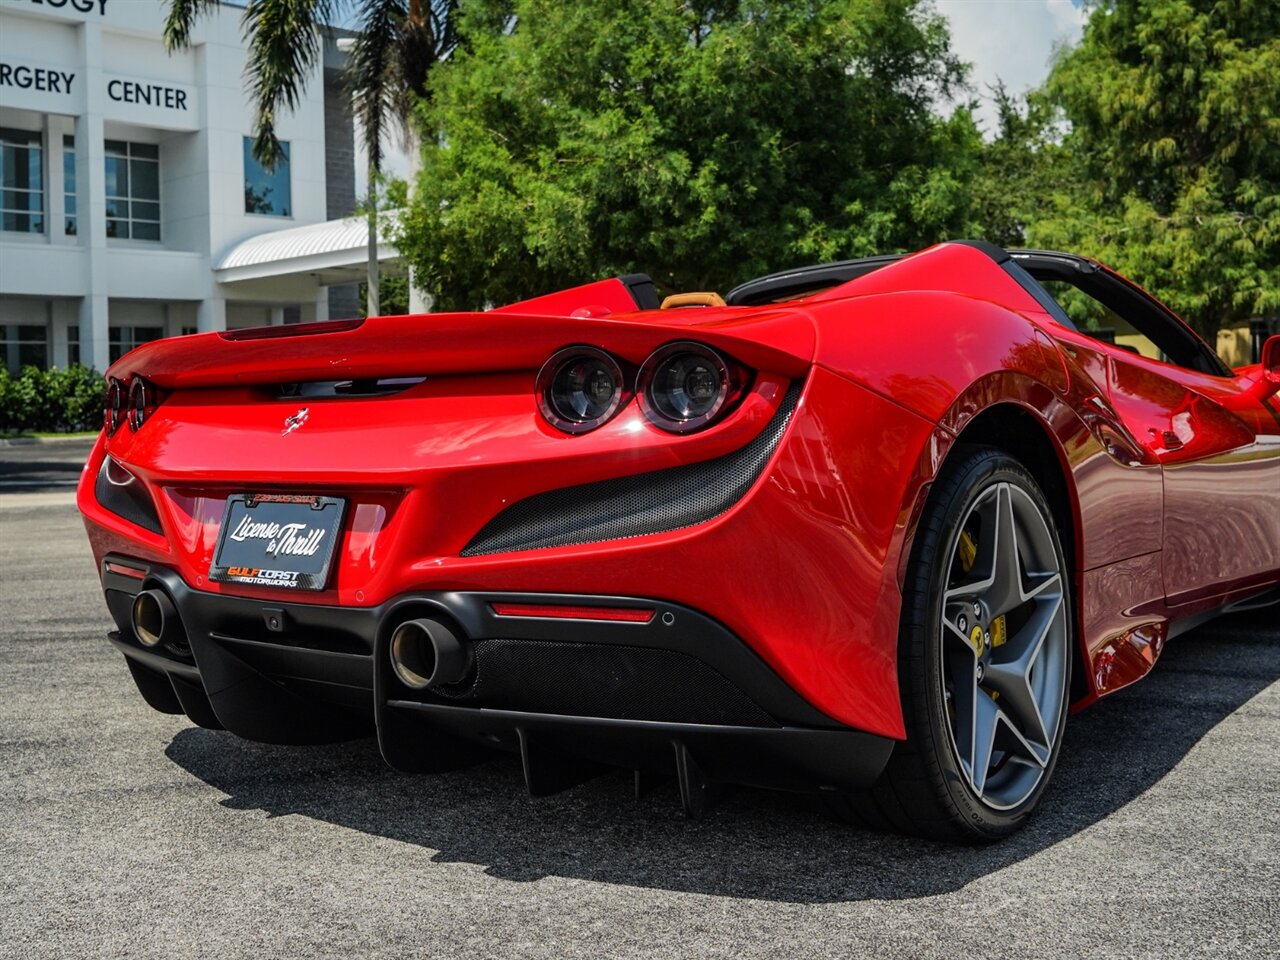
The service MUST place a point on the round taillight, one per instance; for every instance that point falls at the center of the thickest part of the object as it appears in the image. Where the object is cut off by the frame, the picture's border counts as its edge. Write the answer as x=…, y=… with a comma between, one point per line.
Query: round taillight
x=113, y=414
x=684, y=386
x=579, y=389
x=142, y=399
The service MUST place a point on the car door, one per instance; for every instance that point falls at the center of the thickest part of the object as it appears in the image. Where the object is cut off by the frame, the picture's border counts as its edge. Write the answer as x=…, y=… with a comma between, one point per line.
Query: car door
x=1218, y=445
x=1219, y=449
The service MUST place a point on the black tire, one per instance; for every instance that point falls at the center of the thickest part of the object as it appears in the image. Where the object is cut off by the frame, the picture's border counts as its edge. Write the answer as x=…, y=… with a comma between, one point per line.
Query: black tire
x=924, y=790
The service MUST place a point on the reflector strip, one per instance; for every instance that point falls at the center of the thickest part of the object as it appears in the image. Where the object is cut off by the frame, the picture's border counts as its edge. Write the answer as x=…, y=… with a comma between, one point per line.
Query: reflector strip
x=562, y=612
x=122, y=570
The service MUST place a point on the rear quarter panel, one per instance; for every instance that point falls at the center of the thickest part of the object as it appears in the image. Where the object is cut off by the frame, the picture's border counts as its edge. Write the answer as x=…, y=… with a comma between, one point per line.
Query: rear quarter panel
x=951, y=358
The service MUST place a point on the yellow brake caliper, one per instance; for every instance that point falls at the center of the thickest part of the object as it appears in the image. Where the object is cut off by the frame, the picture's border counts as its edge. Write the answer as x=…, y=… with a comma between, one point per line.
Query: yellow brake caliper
x=968, y=551
x=998, y=637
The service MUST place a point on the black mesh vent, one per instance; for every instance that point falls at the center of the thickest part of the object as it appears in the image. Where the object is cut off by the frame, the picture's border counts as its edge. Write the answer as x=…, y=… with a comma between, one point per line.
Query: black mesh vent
x=632, y=506
x=124, y=495
x=603, y=680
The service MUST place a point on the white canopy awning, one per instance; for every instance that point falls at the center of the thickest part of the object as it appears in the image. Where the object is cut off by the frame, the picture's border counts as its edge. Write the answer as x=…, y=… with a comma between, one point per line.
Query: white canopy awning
x=335, y=251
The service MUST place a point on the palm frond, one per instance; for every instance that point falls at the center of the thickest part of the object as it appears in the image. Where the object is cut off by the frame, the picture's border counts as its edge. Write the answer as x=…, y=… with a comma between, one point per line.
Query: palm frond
x=371, y=71
x=284, y=45
x=179, y=19
x=399, y=43
x=429, y=36
x=444, y=26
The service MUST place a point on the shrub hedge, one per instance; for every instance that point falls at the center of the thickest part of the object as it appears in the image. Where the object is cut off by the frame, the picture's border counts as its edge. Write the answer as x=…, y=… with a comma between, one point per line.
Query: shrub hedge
x=54, y=401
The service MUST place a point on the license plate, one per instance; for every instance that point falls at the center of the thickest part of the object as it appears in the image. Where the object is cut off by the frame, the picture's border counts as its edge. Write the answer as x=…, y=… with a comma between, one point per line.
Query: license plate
x=278, y=540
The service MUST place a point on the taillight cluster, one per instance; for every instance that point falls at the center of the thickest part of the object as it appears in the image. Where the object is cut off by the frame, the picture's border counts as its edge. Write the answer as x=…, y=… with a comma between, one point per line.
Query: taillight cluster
x=133, y=403
x=682, y=387
x=581, y=388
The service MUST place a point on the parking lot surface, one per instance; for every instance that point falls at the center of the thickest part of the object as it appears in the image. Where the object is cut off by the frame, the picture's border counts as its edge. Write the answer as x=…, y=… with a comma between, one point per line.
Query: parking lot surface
x=127, y=833
x=42, y=467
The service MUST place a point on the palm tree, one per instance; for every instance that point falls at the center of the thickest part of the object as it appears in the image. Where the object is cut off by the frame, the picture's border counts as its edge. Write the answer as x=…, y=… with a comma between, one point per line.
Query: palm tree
x=397, y=43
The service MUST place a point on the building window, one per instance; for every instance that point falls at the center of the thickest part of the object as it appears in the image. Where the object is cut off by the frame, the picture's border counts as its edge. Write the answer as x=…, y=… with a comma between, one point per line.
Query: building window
x=124, y=339
x=133, y=190
x=69, y=184
x=24, y=344
x=267, y=193
x=21, y=181
x=189, y=331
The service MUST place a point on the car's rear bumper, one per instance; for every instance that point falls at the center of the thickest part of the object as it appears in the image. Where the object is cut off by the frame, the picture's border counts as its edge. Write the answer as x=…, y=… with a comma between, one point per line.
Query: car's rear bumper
x=676, y=693
x=787, y=523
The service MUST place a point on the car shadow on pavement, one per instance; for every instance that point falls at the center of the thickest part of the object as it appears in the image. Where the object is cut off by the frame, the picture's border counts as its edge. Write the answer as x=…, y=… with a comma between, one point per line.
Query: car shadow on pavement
x=755, y=844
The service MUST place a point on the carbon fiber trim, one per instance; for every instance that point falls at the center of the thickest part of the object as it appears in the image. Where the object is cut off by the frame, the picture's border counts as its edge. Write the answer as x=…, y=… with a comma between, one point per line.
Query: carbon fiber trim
x=634, y=506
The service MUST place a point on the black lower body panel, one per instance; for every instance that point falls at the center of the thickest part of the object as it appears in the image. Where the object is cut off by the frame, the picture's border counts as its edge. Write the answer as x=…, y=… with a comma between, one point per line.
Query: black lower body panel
x=781, y=758
x=676, y=694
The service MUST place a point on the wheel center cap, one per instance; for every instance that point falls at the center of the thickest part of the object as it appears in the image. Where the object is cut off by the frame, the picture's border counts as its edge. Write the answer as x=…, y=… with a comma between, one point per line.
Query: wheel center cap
x=977, y=639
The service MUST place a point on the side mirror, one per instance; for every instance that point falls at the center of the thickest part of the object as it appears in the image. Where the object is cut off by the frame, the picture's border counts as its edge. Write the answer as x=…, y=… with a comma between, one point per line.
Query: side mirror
x=1271, y=362
x=1267, y=384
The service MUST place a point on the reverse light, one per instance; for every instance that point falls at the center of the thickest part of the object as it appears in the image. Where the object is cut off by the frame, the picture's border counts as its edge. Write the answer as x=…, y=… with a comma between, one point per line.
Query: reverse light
x=685, y=386
x=579, y=389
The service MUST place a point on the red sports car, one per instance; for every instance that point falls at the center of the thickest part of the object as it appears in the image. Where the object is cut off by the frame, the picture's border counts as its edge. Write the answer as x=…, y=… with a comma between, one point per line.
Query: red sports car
x=871, y=528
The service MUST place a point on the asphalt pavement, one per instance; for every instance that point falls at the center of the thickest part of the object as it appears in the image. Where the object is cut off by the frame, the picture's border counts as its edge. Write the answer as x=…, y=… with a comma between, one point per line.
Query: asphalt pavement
x=31, y=467
x=128, y=833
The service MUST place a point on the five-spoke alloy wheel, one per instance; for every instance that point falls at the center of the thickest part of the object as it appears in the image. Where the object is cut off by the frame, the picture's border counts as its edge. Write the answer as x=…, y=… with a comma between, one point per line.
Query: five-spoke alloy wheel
x=985, y=656
x=1003, y=645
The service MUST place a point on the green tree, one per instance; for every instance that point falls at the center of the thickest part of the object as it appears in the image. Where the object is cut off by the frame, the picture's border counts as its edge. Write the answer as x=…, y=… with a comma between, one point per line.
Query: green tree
x=1021, y=166
x=1170, y=171
x=394, y=296
x=702, y=142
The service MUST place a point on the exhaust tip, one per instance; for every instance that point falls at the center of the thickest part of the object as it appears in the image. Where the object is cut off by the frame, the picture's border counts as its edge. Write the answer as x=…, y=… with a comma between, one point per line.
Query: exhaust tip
x=426, y=653
x=154, y=618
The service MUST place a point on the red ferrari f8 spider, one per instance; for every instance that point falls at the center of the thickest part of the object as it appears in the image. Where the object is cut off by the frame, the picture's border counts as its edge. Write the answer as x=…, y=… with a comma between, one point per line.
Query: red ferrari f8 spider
x=871, y=528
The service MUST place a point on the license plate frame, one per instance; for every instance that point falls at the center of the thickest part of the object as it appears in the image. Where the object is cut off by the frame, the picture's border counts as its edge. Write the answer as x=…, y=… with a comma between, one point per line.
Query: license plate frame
x=278, y=540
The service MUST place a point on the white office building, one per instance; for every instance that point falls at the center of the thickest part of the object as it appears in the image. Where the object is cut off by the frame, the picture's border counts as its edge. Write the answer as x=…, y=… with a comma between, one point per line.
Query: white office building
x=130, y=205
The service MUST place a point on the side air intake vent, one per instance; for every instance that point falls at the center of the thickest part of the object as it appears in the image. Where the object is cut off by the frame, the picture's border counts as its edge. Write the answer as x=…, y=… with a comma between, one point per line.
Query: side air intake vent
x=633, y=506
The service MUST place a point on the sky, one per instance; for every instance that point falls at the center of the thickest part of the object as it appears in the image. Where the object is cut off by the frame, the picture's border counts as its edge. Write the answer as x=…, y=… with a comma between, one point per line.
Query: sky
x=1010, y=40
